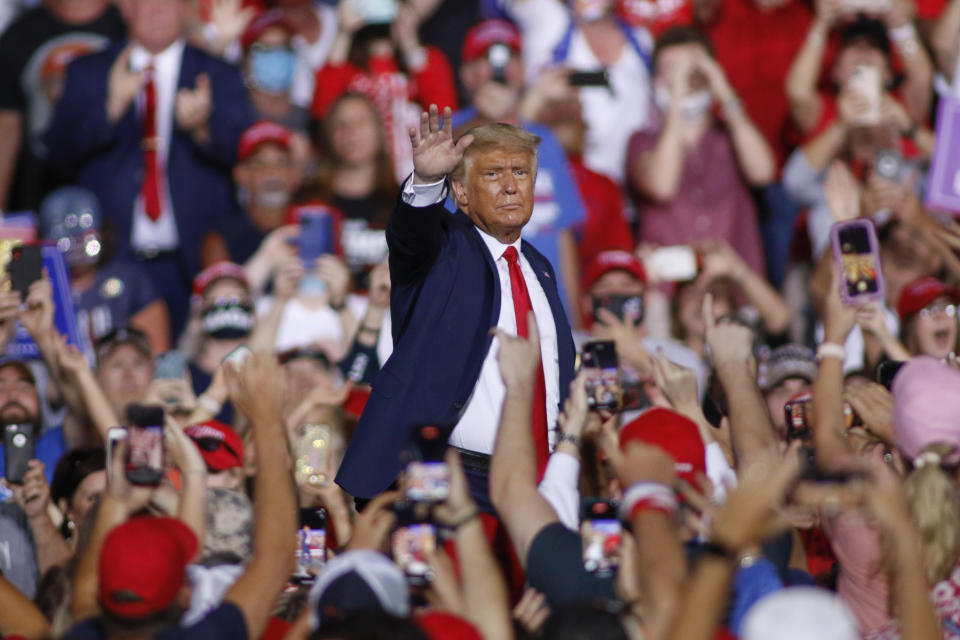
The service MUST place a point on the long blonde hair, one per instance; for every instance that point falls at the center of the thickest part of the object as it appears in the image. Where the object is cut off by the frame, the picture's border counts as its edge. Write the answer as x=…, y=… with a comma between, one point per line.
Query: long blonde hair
x=936, y=511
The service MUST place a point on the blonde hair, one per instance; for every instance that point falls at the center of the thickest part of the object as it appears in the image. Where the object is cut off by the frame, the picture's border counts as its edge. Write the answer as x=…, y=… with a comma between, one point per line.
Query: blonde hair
x=496, y=135
x=936, y=512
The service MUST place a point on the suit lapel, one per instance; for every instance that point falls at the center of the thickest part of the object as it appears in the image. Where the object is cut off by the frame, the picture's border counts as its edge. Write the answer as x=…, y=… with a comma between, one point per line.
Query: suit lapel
x=480, y=246
x=547, y=283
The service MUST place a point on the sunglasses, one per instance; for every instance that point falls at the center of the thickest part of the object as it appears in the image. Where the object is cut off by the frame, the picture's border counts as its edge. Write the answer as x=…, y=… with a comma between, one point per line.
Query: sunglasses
x=213, y=444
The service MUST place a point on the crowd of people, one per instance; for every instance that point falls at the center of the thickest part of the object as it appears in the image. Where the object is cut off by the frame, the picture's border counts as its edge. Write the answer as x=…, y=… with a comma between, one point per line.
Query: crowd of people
x=479, y=319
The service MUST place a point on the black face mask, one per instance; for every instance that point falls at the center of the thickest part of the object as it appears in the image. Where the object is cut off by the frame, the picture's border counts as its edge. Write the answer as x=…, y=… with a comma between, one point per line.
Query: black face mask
x=228, y=320
x=627, y=308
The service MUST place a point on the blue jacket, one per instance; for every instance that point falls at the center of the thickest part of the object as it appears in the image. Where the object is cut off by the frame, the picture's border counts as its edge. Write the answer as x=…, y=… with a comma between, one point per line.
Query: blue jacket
x=445, y=297
x=108, y=159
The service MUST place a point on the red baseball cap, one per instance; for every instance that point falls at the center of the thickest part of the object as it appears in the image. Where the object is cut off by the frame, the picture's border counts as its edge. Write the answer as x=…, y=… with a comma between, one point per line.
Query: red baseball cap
x=921, y=292
x=219, y=270
x=143, y=565
x=613, y=260
x=260, y=133
x=220, y=446
x=675, y=434
x=260, y=24
x=489, y=32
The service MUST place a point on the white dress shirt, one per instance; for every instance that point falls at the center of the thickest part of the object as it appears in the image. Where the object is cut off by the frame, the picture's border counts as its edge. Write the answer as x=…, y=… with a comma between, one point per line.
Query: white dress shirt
x=477, y=428
x=159, y=234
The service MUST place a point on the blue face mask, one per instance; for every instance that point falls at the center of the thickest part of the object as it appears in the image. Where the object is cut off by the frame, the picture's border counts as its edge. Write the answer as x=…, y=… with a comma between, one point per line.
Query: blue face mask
x=271, y=69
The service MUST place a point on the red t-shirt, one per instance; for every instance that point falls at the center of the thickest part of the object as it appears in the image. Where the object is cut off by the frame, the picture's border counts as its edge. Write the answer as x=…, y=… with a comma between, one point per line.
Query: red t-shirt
x=604, y=226
x=756, y=47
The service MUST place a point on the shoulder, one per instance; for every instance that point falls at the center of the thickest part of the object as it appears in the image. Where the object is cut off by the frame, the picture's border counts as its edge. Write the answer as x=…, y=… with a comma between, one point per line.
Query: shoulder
x=208, y=62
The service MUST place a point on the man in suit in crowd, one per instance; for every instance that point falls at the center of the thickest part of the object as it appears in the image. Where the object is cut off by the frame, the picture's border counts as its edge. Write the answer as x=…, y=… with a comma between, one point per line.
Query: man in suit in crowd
x=151, y=126
x=454, y=277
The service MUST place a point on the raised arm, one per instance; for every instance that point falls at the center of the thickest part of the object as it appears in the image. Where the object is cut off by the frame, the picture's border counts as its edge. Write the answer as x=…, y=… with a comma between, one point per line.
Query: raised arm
x=945, y=39
x=513, y=473
x=486, y=603
x=917, y=88
x=258, y=392
x=414, y=233
x=801, y=83
x=751, y=431
x=19, y=616
x=753, y=152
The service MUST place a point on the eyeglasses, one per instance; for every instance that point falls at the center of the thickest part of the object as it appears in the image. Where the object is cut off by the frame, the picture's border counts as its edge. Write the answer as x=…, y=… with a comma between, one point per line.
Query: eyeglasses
x=934, y=310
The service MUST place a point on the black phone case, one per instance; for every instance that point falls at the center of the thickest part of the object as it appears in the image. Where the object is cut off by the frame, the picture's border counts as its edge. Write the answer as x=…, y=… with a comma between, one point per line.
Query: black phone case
x=25, y=268
x=19, y=448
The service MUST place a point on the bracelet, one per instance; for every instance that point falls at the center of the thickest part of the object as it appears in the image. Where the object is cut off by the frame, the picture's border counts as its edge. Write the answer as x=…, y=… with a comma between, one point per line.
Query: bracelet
x=903, y=33
x=718, y=550
x=568, y=437
x=831, y=350
x=643, y=496
x=456, y=523
x=209, y=404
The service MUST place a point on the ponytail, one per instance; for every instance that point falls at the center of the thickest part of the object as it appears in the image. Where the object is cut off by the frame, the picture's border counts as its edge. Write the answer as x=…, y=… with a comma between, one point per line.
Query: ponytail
x=936, y=511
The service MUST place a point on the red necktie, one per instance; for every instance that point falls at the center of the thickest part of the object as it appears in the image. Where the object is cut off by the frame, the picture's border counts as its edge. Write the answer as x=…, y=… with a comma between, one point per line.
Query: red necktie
x=150, y=188
x=521, y=307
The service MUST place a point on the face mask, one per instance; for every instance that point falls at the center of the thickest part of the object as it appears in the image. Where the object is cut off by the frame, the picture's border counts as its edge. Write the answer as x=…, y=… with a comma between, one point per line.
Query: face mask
x=272, y=194
x=272, y=69
x=591, y=10
x=228, y=320
x=693, y=107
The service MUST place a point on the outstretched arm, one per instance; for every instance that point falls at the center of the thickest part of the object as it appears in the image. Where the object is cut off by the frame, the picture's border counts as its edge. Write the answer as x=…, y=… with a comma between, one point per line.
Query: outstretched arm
x=513, y=473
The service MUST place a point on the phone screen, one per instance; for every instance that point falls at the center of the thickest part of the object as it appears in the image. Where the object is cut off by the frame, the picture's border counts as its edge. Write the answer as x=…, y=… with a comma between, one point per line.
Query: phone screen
x=859, y=263
x=589, y=79
x=601, y=535
x=672, y=264
x=19, y=448
x=146, y=452
x=411, y=546
x=797, y=415
x=313, y=449
x=311, y=551
x=169, y=365
x=427, y=481
x=603, y=387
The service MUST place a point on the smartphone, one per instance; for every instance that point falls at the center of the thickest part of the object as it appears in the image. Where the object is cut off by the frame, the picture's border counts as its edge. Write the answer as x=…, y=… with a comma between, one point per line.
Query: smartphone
x=600, y=535
x=672, y=264
x=865, y=6
x=626, y=308
x=498, y=55
x=145, y=461
x=427, y=478
x=866, y=81
x=316, y=237
x=313, y=449
x=888, y=164
x=114, y=436
x=589, y=78
x=169, y=366
x=238, y=356
x=19, y=448
x=412, y=541
x=25, y=267
x=311, y=551
x=604, y=391
x=798, y=415
x=856, y=255
x=886, y=370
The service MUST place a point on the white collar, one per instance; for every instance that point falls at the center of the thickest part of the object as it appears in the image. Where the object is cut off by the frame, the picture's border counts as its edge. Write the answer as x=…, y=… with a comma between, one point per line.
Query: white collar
x=140, y=58
x=495, y=247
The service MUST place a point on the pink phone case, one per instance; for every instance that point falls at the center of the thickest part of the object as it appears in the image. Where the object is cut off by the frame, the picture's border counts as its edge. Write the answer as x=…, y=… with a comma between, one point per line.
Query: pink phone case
x=875, y=294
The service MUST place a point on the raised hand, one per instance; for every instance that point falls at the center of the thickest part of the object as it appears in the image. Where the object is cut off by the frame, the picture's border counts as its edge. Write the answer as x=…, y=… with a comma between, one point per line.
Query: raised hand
x=37, y=316
x=731, y=344
x=230, y=19
x=434, y=152
x=519, y=357
x=123, y=85
x=193, y=105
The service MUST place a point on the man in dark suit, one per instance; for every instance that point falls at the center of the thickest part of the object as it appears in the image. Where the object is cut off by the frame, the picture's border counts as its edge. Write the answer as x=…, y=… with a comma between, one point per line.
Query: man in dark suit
x=454, y=277
x=151, y=126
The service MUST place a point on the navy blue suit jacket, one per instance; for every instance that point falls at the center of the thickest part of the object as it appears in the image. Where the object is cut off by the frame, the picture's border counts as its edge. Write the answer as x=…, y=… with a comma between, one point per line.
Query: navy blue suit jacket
x=108, y=159
x=445, y=297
